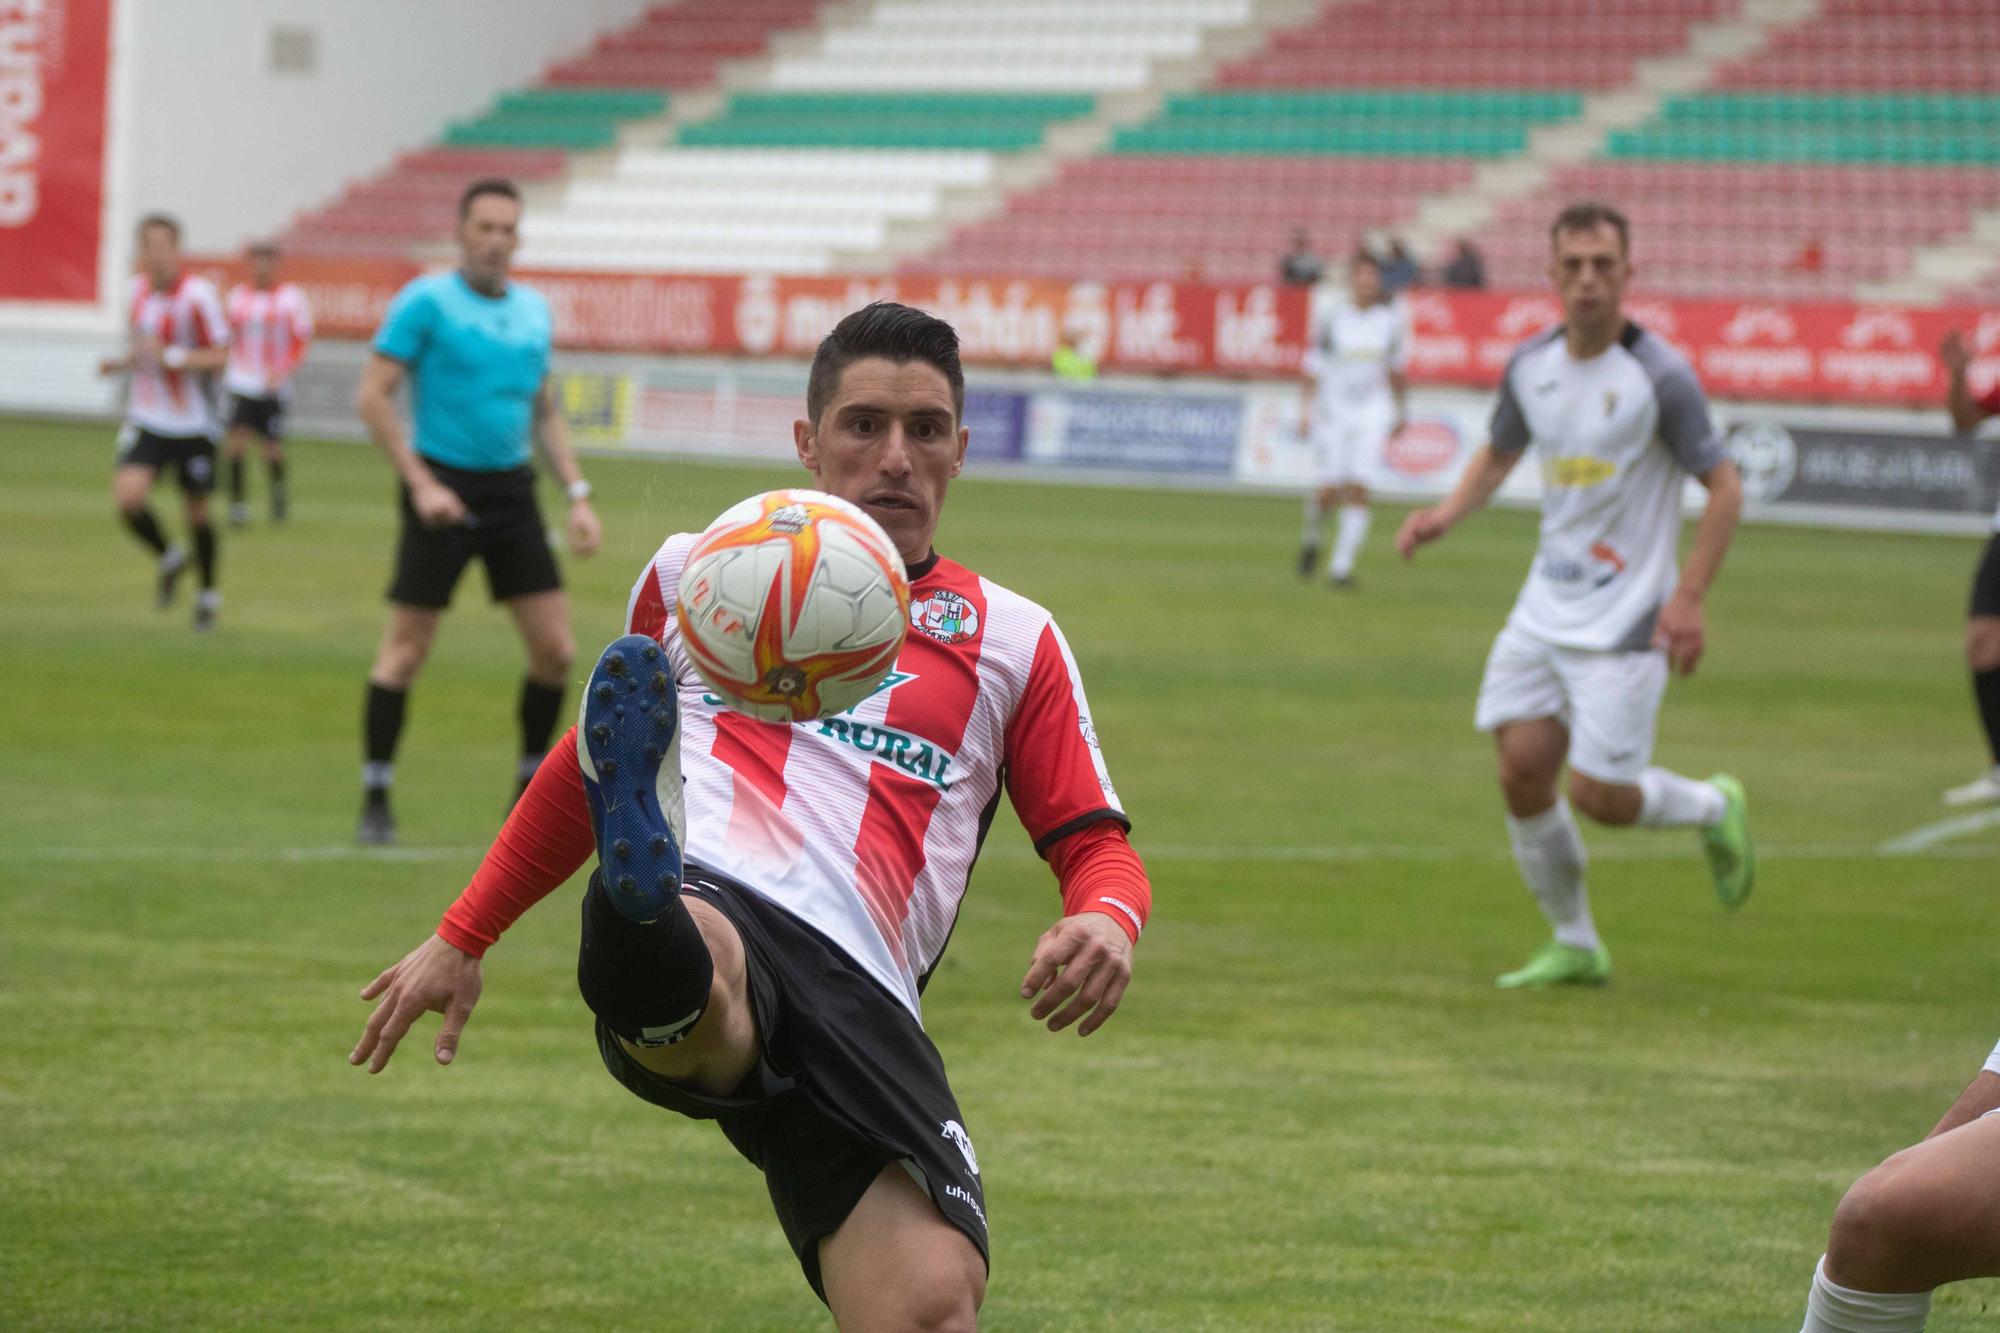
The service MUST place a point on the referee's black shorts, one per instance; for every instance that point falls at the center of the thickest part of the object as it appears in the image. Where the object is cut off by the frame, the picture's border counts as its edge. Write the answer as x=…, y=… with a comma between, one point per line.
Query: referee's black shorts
x=503, y=527
x=1986, y=582
x=849, y=1083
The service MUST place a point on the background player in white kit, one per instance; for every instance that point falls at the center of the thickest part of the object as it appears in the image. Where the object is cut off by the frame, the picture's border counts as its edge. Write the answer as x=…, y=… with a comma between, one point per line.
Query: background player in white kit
x=1578, y=673
x=270, y=328
x=177, y=340
x=1355, y=357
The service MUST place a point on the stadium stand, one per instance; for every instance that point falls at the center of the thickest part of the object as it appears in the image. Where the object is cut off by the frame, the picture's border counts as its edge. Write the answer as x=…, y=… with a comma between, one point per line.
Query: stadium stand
x=530, y=135
x=818, y=164
x=1815, y=167
x=1824, y=156
x=1342, y=124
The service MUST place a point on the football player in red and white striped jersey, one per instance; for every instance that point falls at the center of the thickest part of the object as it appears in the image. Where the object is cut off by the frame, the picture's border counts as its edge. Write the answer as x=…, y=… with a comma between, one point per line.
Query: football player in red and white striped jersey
x=826, y=861
x=271, y=326
x=178, y=339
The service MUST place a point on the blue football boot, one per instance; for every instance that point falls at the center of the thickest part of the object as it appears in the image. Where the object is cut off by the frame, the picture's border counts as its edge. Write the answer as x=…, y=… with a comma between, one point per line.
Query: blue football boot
x=628, y=743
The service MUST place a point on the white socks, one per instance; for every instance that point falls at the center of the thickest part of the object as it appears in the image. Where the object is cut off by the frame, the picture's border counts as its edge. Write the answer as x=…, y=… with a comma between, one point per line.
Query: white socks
x=1550, y=852
x=1668, y=800
x=1347, y=539
x=1836, y=1309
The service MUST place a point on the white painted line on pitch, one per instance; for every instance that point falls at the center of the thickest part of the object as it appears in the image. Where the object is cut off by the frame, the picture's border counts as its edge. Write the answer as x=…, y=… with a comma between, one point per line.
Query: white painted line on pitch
x=286, y=855
x=1325, y=854
x=1930, y=835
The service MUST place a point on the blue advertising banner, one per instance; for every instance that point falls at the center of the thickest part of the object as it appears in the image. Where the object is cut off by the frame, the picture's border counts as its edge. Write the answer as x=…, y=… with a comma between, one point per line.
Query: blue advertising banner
x=998, y=426
x=1152, y=432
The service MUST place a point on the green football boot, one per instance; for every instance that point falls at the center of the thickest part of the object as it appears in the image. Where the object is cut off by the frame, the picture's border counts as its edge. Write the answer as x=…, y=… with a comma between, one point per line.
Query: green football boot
x=1559, y=964
x=1732, y=855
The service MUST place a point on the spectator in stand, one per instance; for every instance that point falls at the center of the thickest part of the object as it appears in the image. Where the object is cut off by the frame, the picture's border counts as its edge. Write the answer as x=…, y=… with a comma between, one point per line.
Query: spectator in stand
x=1300, y=267
x=1399, y=271
x=1466, y=271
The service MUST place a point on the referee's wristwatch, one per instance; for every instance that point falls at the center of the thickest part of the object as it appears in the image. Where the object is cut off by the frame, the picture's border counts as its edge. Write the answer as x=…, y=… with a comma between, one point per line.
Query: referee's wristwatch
x=578, y=490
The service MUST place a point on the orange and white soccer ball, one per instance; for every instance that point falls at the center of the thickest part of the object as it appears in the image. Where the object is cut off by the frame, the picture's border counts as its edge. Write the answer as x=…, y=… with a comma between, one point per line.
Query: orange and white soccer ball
x=793, y=606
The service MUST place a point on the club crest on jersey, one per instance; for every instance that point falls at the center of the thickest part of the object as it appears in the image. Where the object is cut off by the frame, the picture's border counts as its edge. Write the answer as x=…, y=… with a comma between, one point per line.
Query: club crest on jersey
x=944, y=616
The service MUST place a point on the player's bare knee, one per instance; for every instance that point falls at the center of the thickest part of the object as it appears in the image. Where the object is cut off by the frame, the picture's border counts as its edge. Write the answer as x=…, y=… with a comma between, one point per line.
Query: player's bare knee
x=1882, y=1220
x=1603, y=802
x=943, y=1296
x=1982, y=643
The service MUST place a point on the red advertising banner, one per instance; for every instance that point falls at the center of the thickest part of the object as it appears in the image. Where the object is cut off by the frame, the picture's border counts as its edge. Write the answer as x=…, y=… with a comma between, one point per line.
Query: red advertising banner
x=1832, y=353
x=53, y=77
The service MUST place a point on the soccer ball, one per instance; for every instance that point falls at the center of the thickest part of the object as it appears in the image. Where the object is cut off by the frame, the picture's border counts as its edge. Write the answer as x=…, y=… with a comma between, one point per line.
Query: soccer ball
x=793, y=606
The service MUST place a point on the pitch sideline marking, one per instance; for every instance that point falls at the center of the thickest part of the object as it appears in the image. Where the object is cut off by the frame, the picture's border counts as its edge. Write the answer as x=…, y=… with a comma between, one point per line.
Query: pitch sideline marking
x=1924, y=842
x=1931, y=835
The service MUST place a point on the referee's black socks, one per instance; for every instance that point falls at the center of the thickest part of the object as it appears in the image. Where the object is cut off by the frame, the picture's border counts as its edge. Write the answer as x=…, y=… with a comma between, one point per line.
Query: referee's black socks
x=541, y=705
x=381, y=728
x=648, y=981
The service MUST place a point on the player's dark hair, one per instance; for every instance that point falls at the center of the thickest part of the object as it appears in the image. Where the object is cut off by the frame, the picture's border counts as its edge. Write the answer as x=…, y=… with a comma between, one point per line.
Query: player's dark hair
x=166, y=220
x=1363, y=255
x=895, y=333
x=486, y=185
x=256, y=248
x=1589, y=215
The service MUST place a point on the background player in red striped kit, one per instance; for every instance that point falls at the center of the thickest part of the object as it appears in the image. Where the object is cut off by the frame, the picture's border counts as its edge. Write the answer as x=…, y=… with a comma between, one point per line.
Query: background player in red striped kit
x=270, y=326
x=177, y=340
x=777, y=992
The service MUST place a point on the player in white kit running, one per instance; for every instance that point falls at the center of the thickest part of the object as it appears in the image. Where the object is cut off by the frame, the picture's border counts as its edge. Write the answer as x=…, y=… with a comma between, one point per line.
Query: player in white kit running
x=1354, y=394
x=1577, y=674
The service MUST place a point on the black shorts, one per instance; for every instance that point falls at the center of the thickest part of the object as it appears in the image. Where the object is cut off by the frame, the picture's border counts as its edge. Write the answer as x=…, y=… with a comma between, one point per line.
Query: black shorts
x=848, y=1083
x=503, y=527
x=192, y=457
x=266, y=416
x=1986, y=582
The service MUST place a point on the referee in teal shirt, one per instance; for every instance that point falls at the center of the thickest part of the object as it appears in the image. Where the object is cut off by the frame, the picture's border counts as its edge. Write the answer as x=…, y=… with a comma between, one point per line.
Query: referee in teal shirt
x=475, y=349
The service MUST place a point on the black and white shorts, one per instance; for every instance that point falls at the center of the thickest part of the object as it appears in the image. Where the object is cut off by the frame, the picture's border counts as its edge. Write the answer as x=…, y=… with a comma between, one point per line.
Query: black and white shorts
x=191, y=457
x=1986, y=581
x=503, y=528
x=848, y=1083
x=264, y=415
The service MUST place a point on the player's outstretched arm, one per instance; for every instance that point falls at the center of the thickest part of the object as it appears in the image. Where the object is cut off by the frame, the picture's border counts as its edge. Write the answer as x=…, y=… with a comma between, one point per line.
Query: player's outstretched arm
x=1476, y=485
x=434, y=977
x=1080, y=970
x=1680, y=631
x=545, y=840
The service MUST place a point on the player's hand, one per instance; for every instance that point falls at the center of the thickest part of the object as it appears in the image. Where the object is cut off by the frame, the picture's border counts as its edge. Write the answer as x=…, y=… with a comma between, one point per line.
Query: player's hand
x=437, y=505
x=1954, y=353
x=585, y=532
x=434, y=977
x=113, y=365
x=1082, y=965
x=1421, y=529
x=1678, y=633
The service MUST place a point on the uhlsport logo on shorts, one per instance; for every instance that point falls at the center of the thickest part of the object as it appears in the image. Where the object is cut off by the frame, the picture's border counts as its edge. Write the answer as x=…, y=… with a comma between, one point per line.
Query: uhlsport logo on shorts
x=945, y=616
x=954, y=1131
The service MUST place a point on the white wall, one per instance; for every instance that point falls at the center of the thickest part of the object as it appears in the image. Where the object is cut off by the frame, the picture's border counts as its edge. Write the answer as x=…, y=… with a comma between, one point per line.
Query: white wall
x=211, y=133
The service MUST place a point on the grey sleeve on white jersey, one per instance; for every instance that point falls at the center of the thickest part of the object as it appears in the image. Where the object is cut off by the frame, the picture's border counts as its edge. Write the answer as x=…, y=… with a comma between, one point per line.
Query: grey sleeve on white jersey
x=1508, y=432
x=1686, y=427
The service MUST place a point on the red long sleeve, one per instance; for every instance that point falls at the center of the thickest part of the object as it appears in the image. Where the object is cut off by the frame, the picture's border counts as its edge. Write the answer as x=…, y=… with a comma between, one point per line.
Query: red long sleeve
x=541, y=845
x=1099, y=872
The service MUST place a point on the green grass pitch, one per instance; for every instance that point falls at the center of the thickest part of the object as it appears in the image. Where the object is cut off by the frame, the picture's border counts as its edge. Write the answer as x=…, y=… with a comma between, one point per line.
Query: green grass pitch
x=1314, y=1111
